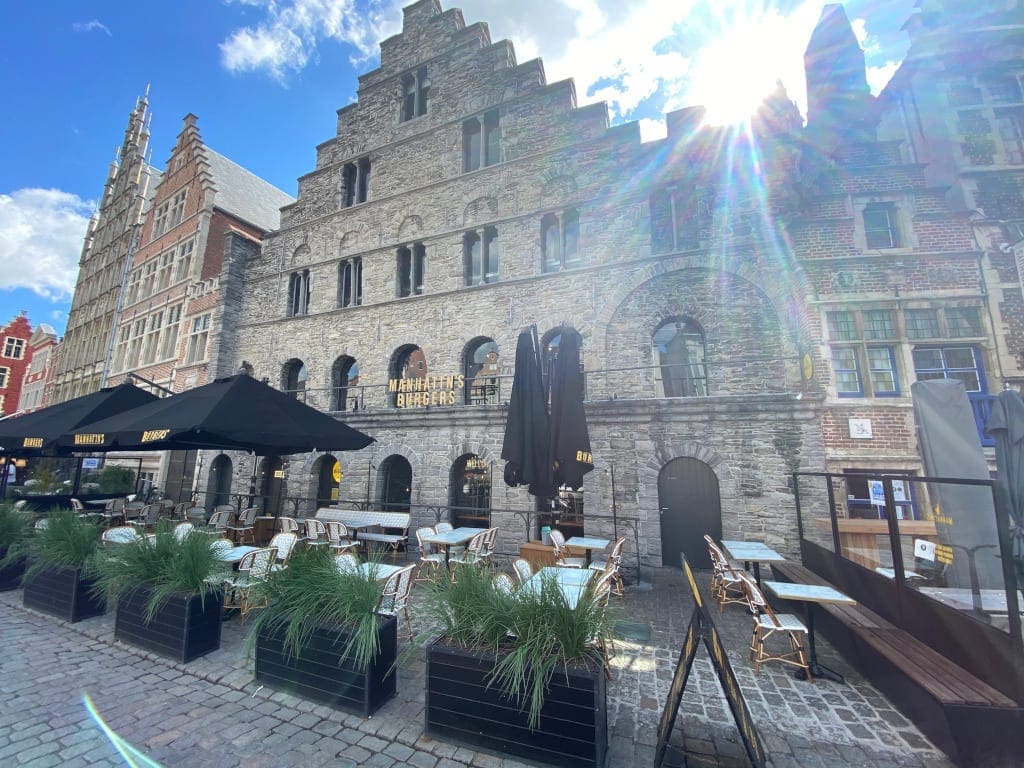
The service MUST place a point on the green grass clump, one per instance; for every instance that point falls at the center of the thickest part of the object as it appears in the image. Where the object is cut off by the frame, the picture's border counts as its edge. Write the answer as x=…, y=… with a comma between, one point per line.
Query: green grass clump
x=65, y=540
x=15, y=526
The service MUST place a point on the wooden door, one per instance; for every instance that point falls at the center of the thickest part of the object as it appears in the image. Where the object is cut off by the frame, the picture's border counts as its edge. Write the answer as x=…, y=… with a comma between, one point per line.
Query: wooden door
x=690, y=507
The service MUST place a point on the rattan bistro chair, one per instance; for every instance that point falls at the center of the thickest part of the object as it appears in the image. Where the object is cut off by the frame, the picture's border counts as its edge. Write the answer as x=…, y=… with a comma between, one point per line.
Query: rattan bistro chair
x=726, y=580
x=245, y=527
x=253, y=568
x=611, y=563
x=338, y=536
x=430, y=559
x=395, y=597
x=284, y=543
x=562, y=557
x=522, y=569
x=768, y=623
x=316, y=531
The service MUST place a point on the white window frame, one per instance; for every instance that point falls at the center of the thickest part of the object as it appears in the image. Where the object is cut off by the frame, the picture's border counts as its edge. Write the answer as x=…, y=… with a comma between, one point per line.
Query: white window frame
x=198, y=339
x=5, y=375
x=14, y=348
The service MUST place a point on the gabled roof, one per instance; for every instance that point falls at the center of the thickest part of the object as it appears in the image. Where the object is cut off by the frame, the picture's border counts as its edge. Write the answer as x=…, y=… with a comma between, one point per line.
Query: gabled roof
x=245, y=195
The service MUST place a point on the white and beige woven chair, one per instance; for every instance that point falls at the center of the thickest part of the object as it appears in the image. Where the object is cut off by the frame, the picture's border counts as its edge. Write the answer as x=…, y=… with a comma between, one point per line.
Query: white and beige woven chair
x=76, y=505
x=245, y=526
x=471, y=555
x=487, y=546
x=726, y=580
x=179, y=510
x=346, y=562
x=284, y=543
x=562, y=556
x=218, y=522
x=395, y=597
x=503, y=583
x=339, y=537
x=430, y=559
x=181, y=530
x=253, y=568
x=612, y=563
x=120, y=534
x=522, y=569
x=315, y=530
x=768, y=623
x=287, y=525
x=148, y=517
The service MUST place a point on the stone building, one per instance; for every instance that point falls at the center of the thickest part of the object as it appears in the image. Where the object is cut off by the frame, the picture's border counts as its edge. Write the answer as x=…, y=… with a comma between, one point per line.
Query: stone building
x=15, y=357
x=111, y=238
x=208, y=215
x=37, y=389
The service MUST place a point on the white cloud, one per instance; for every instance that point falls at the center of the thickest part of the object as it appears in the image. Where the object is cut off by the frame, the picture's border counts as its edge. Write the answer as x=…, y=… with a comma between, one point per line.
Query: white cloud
x=878, y=77
x=286, y=38
x=90, y=26
x=41, y=236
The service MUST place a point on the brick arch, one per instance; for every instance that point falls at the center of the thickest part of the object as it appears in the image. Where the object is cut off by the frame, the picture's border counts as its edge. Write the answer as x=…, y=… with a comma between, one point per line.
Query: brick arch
x=475, y=447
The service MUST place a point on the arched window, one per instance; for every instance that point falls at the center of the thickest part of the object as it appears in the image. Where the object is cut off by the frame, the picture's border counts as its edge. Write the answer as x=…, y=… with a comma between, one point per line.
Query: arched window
x=218, y=484
x=408, y=375
x=470, y=492
x=295, y=379
x=344, y=380
x=560, y=240
x=679, y=350
x=298, y=293
x=481, y=371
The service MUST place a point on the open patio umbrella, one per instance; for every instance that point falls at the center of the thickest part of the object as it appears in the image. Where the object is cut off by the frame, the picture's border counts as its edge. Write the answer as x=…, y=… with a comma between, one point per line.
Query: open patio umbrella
x=1006, y=424
x=233, y=413
x=38, y=432
x=526, y=445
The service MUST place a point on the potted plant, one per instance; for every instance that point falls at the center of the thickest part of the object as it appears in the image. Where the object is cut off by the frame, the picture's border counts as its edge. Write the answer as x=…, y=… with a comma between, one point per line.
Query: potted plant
x=15, y=527
x=168, y=592
x=519, y=673
x=60, y=558
x=320, y=637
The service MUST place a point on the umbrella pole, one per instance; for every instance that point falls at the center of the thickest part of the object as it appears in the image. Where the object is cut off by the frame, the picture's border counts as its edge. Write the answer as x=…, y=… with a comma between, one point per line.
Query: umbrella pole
x=78, y=477
x=615, y=515
x=252, y=482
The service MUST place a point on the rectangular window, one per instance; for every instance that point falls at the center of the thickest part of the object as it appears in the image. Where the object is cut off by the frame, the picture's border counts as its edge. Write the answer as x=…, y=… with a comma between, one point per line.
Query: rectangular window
x=481, y=142
x=177, y=209
x=879, y=324
x=882, y=366
x=135, y=345
x=164, y=270
x=963, y=322
x=959, y=363
x=131, y=294
x=411, y=267
x=1010, y=125
x=298, y=293
x=415, y=88
x=14, y=348
x=471, y=145
x=169, y=340
x=1003, y=89
x=183, y=260
x=880, y=226
x=5, y=374
x=492, y=139
x=350, y=283
x=922, y=323
x=197, y=339
x=356, y=182
x=160, y=221
x=122, y=347
x=844, y=364
x=149, y=345
x=861, y=504
x=147, y=281
x=842, y=326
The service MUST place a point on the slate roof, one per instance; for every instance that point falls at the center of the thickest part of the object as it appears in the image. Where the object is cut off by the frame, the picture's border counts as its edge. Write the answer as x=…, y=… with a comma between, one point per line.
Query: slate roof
x=245, y=195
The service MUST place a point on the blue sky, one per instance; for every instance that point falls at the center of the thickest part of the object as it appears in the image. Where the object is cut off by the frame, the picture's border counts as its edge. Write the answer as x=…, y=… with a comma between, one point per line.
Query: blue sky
x=265, y=78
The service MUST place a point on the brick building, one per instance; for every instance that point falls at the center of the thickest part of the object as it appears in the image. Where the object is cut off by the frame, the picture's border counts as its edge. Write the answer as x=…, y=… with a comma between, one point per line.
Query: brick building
x=38, y=386
x=15, y=356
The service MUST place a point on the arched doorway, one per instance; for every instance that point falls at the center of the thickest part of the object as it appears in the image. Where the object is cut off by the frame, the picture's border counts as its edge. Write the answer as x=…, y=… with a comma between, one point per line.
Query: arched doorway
x=323, y=485
x=470, y=491
x=690, y=507
x=271, y=477
x=218, y=483
x=396, y=485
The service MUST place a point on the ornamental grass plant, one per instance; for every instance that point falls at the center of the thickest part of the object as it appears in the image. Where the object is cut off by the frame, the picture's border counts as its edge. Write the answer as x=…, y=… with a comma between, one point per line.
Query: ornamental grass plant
x=66, y=540
x=530, y=632
x=166, y=564
x=15, y=527
x=312, y=592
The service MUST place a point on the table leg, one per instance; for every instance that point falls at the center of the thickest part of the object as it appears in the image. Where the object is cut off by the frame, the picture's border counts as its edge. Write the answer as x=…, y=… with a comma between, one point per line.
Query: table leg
x=757, y=573
x=817, y=670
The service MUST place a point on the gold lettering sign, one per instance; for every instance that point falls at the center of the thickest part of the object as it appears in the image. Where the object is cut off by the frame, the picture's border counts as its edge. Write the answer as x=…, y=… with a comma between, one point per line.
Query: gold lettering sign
x=87, y=439
x=585, y=457
x=151, y=435
x=426, y=391
x=278, y=473
x=32, y=442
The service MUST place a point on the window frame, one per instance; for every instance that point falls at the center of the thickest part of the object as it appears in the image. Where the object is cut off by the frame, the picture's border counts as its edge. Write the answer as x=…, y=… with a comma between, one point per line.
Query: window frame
x=199, y=333
x=5, y=375
x=891, y=229
x=350, y=282
x=14, y=348
x=415, y=86
x=410, y=270
x=483, y=268
x=486, y=129
x=355, y=181
x=298, y=293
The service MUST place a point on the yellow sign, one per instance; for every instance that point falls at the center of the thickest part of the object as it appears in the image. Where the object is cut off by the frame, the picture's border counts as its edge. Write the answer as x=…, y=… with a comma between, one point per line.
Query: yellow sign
x=426, y=391
x=87, y=439
x=337, y=472
x=279, y=473
x=152, y=435
x=32, y=442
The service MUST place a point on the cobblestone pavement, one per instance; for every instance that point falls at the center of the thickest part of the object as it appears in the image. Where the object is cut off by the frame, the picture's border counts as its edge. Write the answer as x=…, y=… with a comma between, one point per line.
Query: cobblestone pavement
x=210, y=712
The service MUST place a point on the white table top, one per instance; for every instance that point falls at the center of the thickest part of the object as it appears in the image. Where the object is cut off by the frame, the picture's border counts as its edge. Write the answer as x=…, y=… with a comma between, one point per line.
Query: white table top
x=454, y=536
x=380, y=571
x=810, y=593
x=97, y=502
x=752, y=551
x=570, y=581
x=587, y=542
x=235, y=554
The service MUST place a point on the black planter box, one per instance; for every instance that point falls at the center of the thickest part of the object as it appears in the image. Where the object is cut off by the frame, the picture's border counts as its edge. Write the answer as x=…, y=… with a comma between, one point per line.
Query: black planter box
x=573, y=729
x=183, y=628
x=10, y=574
x=64, y=593
x=316, y=673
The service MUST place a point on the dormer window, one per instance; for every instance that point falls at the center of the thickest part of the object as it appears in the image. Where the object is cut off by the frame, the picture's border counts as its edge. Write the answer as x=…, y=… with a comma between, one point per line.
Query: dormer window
x=415, y=88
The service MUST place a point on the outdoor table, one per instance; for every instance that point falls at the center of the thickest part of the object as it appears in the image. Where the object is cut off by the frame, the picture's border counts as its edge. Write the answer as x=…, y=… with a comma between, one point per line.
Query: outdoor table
x=810, y=595
x=752, y=552
x=570, y=581
x=452, y=538
x=97, y=502
x=235, y=554
x=589, y=543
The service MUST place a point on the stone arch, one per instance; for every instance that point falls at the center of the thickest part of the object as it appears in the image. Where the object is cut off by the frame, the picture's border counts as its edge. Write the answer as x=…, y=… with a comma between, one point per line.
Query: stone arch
x=481, y=210
x=410, y=228
x=301, y=255
x=382, y=452
x=558, y=190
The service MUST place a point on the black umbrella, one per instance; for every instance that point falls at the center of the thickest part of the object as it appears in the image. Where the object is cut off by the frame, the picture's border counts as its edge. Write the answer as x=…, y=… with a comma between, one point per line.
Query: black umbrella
x=571, y=457
x=38, y=432
x=1006, y=425
x=233, y=413
x=526, y=445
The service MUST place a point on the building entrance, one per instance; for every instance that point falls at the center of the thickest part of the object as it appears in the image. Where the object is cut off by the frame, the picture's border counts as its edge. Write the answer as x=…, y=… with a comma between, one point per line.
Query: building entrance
x=690, y=507
x=396, y=490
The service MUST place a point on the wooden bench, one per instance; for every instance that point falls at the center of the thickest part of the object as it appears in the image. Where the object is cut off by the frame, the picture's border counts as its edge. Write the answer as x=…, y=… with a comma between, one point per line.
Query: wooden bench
x=966, y=717
x=388, y=522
